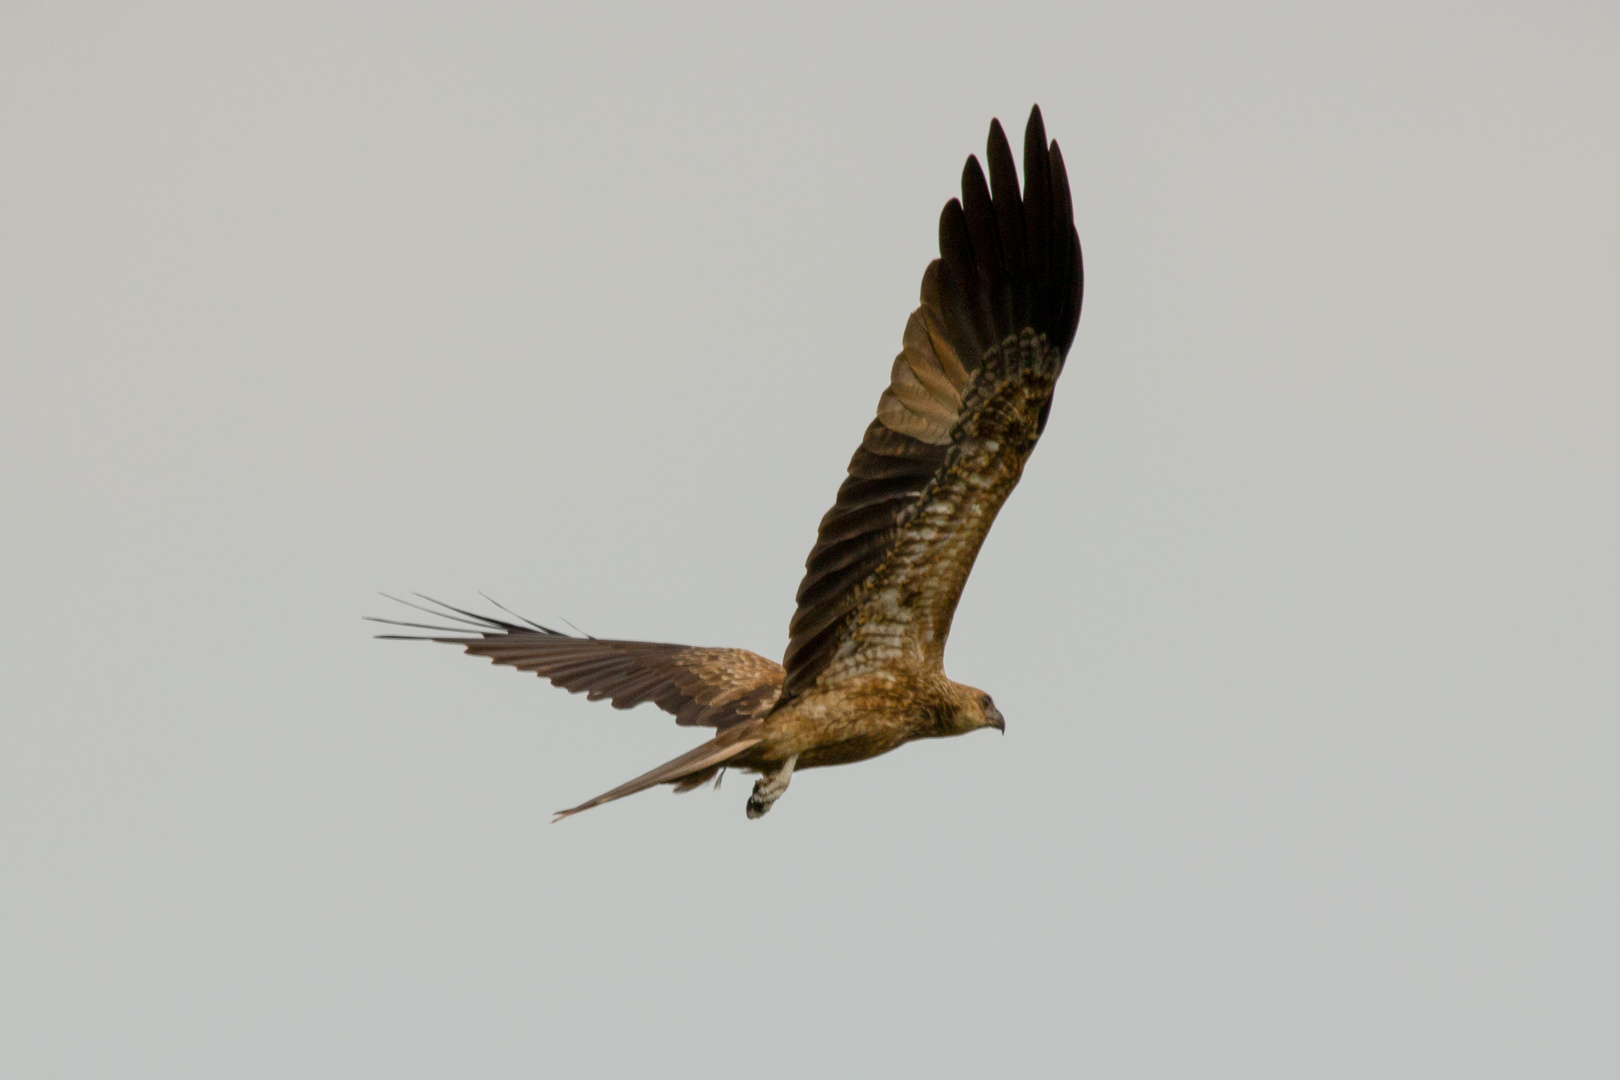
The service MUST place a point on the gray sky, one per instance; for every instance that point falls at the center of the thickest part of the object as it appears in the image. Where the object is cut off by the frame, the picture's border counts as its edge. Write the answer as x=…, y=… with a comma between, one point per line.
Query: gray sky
x=1305, y=618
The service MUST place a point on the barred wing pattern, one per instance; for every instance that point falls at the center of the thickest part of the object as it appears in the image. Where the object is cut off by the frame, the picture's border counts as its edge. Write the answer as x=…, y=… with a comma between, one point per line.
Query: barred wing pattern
x=968, y=397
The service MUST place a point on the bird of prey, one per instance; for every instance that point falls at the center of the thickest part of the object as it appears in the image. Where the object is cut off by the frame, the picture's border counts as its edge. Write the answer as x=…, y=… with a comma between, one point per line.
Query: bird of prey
x=968, y=397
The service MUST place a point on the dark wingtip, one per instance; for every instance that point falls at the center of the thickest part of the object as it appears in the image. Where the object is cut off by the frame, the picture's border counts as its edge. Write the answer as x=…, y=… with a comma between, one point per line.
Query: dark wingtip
x=997, y=135
x=1069, y=269
x=1009, y=212
x=1011, y=261
x=1035, y=129
x=484, y=626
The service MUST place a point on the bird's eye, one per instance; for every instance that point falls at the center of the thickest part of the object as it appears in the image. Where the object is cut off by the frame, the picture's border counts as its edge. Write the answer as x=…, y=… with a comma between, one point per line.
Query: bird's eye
x=984, y=701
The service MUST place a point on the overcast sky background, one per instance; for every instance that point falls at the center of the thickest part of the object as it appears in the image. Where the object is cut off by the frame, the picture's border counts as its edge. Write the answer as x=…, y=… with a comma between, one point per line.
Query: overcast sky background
x=1305, y=618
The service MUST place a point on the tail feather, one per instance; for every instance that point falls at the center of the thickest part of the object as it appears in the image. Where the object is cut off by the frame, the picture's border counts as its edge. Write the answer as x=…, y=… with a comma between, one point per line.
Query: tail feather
x=701, y=760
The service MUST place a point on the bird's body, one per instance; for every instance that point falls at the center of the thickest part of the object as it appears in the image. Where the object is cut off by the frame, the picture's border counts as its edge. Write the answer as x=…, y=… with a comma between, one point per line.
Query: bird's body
x=864, y=672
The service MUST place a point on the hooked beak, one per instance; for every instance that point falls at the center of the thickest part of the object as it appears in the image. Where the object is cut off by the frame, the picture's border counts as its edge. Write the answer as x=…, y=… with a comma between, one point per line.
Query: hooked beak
x=998, y=721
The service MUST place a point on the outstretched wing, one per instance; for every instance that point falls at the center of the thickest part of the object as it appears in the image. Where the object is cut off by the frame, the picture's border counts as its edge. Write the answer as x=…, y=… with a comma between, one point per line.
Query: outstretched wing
x=716, y=688
x=968, y=396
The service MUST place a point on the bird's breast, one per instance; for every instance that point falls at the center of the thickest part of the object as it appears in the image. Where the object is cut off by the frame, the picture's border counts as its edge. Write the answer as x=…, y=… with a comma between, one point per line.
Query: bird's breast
x=840, y=727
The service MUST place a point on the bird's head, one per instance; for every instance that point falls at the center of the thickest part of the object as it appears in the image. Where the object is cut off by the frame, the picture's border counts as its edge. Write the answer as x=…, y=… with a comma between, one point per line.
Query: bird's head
x=975, y=710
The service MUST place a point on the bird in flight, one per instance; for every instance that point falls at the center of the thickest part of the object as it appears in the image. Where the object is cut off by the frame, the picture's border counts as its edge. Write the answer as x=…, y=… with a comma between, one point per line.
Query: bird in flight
x=968, y=397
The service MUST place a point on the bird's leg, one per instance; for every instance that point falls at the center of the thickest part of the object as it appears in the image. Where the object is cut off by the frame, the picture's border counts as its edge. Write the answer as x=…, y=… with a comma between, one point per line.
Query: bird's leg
x=769, y=788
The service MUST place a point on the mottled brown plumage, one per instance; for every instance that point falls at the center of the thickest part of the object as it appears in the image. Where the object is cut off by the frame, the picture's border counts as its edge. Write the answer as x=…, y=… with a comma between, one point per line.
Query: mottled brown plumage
x=968, y=397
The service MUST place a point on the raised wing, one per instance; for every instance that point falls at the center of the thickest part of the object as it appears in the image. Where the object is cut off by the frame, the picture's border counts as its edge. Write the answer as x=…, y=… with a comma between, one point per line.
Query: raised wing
x=705, y=687
x=968, y=396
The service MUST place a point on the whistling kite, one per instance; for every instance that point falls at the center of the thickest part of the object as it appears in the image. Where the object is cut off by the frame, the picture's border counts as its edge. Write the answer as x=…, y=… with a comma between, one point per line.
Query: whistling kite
x=968, y=396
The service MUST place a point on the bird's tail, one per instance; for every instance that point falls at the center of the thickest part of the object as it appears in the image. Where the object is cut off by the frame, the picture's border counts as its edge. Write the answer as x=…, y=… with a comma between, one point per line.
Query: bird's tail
x=699, y=762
